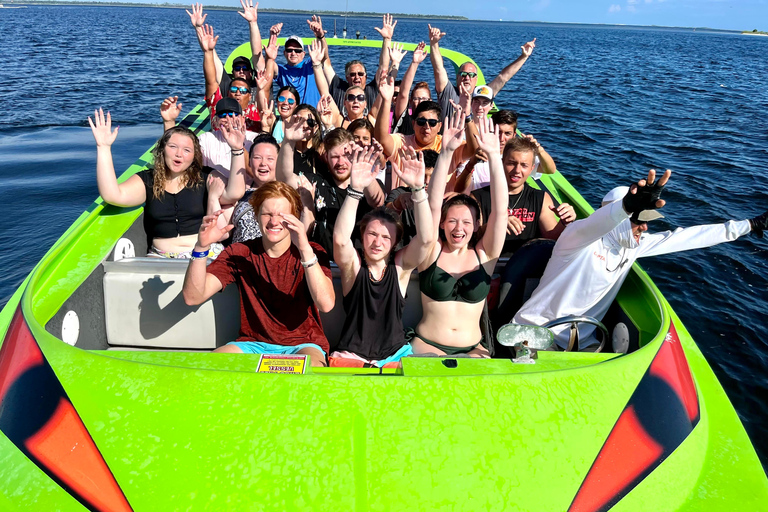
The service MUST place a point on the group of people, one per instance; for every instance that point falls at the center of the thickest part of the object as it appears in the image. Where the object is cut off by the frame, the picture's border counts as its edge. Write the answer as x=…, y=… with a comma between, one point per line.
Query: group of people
x=302, y=167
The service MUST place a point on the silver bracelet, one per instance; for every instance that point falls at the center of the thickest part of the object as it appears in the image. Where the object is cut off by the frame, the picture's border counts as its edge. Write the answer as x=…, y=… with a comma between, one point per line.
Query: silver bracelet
x=307, y=264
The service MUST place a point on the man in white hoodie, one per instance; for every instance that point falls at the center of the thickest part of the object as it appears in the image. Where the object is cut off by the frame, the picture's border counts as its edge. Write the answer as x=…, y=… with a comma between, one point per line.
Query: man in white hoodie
x=593, y=256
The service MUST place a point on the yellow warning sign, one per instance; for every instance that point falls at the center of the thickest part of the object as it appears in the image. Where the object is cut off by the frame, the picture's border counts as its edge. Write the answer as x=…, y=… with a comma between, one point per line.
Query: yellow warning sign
x=270, y=363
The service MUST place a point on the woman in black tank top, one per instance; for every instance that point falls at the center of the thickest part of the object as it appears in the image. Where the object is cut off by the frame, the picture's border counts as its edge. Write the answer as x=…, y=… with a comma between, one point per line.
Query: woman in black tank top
x=374, y=286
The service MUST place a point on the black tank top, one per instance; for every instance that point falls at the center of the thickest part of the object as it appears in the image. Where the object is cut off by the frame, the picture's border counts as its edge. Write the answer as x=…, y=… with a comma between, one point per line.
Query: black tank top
x=526, y=206
x=373, y=328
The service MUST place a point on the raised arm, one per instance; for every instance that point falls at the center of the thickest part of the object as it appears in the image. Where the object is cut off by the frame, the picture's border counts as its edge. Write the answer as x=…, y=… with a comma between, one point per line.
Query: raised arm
x=316, y=54
x=441, y=77
x=199, y=285
x=294, y=130
x=197, y=18
x=496, y=225
x=405, y=86
x=320, y=286
x=362, y=174
x=129, y=193
x=386, y=32
x=508, y=72
x=233, y=131
x=453, y=135
x=547, y=164
x=381, y=129
x=170, y=109
x=412, y=174
x=208, y=43
x=250, y=13
x=270, y=53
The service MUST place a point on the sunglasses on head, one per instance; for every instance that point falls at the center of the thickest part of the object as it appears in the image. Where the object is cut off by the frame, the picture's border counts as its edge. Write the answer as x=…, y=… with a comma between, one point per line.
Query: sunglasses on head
x=353, y=97
x=240, y=68
x=222, y=115
x=470, y=74
x=242, y=90
x=294, y=50
x=357, y=73
x=423, y=121
x=283, y=99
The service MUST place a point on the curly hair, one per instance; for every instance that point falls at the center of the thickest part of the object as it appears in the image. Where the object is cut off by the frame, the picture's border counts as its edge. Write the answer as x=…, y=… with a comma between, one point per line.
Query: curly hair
x=193, y=173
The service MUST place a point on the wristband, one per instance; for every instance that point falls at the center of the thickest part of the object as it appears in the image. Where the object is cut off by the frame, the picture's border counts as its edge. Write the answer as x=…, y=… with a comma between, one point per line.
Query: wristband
x=355, y=194
x=238, y=152
x=199, y=255
x=307, y=264
x=318, y=65
x=417, y=201
x=413, y=190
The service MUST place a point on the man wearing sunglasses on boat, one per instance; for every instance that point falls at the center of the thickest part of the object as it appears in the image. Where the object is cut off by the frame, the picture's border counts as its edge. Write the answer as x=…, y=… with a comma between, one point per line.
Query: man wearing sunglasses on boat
x=593, y=256
x=298, y=71
x=467, y=74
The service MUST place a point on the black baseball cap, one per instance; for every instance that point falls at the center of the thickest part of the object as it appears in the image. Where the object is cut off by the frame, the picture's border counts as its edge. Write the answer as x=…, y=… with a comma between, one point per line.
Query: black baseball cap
x=242, y=61
x=226, y=105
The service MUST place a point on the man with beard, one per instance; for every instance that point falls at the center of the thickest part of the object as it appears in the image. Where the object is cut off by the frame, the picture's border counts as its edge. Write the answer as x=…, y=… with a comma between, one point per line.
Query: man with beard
x=593, y=256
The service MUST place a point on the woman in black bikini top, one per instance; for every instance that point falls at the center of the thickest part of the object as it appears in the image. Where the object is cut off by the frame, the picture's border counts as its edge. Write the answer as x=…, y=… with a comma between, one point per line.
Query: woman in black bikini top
x=455, y=277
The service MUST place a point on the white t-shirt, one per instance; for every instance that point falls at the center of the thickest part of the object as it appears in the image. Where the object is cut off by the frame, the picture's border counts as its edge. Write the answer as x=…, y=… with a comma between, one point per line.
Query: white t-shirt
x=481, y=176
x=588, y=267
x=216, y=151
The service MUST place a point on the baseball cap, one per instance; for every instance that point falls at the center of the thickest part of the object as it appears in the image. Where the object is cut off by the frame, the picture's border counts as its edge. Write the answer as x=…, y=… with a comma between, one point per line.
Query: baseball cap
x=225, y=105
x=295, y=39
x=483, y=91
x=242, y=61
x=618, y=194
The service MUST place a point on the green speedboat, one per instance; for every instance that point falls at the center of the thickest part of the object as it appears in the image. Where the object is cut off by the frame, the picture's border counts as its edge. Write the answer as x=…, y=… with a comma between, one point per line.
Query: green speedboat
x=111, y=400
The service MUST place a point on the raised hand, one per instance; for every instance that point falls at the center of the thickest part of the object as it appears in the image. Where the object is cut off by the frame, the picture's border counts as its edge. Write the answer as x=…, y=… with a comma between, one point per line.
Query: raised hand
x=297, y=229
x=262, y=82
x=170, y=109
x=233, y=131
x=316, y=52
x=207, y=39
x=296, y=129
x=453, y=130
x=325, y=109
x=528, y=47
x=435, y=35
x=316, y=26
x=250, y=11
x=565, y=211
x=419, y=54
x=210, y=232
x=216, y=187
x=196, y=16
x=644, y=195
x=388, y=28
x=411, y=169
x=487, y=136
x=271, y=49
x=102, y=128
x=275, y=30
x=364, y=166
x=387, y=87
x=268, y=117
x=306, y=191
x=759, y=224
x=532, y=139
x=514, y=225
x=396, y=53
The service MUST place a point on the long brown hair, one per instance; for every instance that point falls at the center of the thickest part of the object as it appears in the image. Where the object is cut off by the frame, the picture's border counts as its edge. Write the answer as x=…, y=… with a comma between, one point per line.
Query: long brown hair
x=192, y=175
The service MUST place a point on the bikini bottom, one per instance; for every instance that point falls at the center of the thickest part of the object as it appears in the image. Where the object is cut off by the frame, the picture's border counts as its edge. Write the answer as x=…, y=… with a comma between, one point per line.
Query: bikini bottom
x=449, y=351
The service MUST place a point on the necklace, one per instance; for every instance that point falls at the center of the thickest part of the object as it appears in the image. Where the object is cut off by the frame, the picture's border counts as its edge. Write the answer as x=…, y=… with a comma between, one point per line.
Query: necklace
x=519, y=196
x=370, y=275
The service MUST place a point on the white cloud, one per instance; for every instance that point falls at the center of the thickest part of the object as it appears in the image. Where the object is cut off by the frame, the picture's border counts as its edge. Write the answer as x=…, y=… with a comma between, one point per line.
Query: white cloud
x=614, y=8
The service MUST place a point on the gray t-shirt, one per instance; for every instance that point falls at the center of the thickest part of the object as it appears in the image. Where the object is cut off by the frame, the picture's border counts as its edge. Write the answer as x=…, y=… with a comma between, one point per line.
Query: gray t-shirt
x=450, y=93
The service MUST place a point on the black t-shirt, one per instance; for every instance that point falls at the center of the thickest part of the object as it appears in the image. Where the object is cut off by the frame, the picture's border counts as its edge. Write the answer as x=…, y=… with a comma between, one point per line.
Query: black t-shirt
x=177, y=214
x=526, y=206
x=338, y=88
x=404, y=125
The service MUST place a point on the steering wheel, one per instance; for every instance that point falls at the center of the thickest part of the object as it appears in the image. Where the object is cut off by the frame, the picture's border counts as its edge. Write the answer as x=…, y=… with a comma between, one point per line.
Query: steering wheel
x=574, y=338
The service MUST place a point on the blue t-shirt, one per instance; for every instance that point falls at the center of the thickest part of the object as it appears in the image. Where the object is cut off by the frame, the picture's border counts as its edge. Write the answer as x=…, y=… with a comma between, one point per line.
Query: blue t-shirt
x=302, y=77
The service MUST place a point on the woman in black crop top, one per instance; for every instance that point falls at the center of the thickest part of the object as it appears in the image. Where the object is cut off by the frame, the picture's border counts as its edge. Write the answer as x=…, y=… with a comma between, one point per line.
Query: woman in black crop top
x=455, y=278
x=175, y=191
x=374, y=286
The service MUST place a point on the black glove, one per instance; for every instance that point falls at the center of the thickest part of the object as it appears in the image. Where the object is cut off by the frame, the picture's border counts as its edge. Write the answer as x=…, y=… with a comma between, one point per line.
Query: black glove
x=643, y=199
x=758, y=224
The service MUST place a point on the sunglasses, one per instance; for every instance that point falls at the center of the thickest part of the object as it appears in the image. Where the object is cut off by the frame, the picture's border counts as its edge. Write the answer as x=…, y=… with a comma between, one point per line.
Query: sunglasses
x=294, y=50
x=310, y=121
x=283, y=99
x=242, y=90
x=222, y=115
x=357, y=73
x=467, y=73
x=423, y=121
x=241, y=68
x=353, y=97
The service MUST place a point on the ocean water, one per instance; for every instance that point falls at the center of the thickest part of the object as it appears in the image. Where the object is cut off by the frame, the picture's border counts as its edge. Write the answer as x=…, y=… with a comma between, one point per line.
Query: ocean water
x=608, y=103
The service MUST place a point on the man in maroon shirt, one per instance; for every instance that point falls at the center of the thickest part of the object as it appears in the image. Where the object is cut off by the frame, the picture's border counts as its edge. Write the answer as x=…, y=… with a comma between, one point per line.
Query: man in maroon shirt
x=284, y=280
